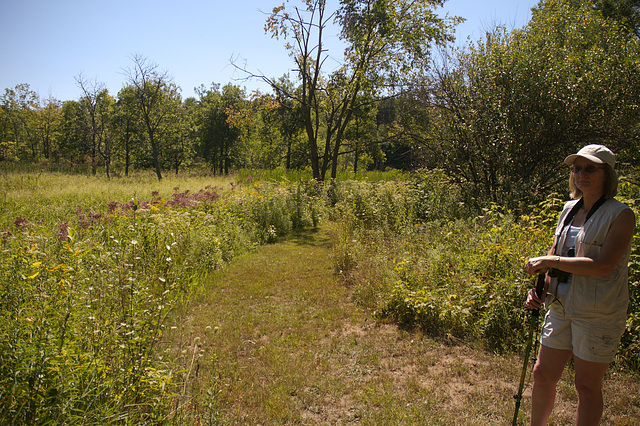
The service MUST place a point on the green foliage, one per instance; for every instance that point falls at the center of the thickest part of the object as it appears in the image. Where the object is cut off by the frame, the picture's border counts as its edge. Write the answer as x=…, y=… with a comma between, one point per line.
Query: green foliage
x=157, y=100
x=385, y=41
x=510, y=107
x=395, y=35
x=465, y=278
x=219, y=121
x=396, y=203
x=88, y=285
x=630, y=351
x=452, y=277
x=626, y=12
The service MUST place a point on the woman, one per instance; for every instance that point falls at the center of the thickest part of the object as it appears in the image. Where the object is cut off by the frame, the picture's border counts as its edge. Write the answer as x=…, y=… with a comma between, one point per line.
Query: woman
x=586, y=289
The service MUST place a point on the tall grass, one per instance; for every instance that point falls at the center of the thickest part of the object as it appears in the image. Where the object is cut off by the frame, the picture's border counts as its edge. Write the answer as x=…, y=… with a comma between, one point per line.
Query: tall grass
x=90, y=272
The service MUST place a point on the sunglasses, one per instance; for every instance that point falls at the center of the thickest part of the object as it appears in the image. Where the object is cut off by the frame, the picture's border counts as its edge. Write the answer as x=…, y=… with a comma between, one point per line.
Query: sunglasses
x=586, y=170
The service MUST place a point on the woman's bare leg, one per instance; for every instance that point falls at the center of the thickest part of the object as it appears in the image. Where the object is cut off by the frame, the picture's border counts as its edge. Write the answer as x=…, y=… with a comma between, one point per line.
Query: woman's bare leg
x=588, y=381
x=546, y=373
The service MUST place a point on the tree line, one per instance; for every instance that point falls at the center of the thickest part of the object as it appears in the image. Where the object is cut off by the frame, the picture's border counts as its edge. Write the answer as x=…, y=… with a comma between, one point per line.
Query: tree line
x=497, y=115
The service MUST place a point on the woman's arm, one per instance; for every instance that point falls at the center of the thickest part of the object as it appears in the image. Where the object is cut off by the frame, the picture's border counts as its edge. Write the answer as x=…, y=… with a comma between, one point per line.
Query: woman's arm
x=613, y=249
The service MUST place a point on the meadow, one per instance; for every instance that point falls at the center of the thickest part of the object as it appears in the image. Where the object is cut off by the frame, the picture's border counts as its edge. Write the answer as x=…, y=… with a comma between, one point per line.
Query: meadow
x=90, y=272
x=94, y=275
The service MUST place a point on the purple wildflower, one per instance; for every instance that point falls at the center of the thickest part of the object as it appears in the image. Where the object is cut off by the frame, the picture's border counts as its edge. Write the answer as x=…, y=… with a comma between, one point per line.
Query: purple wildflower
x=95, y=216
x=63, y=231
x=5, y=235
x=21, y=222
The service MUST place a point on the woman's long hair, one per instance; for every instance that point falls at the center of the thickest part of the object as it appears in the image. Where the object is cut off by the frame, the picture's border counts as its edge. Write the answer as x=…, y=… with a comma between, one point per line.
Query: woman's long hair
x=610, y=184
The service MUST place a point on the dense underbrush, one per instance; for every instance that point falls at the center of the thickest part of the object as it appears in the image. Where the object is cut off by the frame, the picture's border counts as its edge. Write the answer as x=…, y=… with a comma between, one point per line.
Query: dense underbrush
x=415, y=256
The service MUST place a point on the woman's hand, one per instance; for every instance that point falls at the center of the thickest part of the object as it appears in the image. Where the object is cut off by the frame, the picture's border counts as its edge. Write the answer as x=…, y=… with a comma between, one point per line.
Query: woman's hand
x=533, y=301
x=537, y=265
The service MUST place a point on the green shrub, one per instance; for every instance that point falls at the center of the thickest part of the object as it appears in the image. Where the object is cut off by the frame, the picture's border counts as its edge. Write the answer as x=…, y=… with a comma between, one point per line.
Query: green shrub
x=414, y=257
x=466, y=279
x=629, y=351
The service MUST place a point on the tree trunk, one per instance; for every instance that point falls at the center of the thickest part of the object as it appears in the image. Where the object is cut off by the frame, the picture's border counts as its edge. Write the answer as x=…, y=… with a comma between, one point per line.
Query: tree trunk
x=127, y=156
x=355, y=160
x=288, y=163
x=94, y=166
x=222, y=158
x=154, y=151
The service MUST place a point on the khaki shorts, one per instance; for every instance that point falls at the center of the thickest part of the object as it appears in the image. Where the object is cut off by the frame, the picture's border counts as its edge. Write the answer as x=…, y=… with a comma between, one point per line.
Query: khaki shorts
x=593, y=339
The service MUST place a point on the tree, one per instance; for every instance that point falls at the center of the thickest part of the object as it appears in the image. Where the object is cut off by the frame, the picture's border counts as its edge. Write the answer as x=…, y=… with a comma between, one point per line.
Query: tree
x=48, y=122
x=503, y=114
x=361, y=138
x=157, y=98
x=7, y=148
x=179, y=134
x=20, y=105
x=384, y=40
x=218, y=125
x=74, y=130
x=594, y=67
x=290, y=121
x=261, y=143
x=626, y=12
x=127, y=126
x=98, y=106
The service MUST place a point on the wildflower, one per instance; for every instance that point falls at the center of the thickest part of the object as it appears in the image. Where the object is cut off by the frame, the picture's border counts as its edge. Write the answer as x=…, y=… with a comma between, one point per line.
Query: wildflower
x=155, y=193
x=95, y=216
x=5, y=235
x=63, y=232
x=82, y=221
x=21, y=222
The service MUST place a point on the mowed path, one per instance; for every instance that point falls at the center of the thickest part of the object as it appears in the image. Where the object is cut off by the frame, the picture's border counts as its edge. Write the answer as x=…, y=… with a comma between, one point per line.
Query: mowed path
x=276, y=338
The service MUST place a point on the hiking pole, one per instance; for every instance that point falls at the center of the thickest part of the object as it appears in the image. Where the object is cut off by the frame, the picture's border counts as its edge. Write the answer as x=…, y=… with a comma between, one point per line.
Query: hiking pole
x=533, y=326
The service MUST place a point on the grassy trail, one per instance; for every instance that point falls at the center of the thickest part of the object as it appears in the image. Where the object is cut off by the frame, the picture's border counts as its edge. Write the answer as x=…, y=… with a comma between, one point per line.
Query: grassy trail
x=276, y=339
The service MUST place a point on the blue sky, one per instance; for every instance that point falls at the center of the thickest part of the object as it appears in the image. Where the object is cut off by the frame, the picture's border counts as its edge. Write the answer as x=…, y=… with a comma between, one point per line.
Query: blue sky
x=47, y=43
